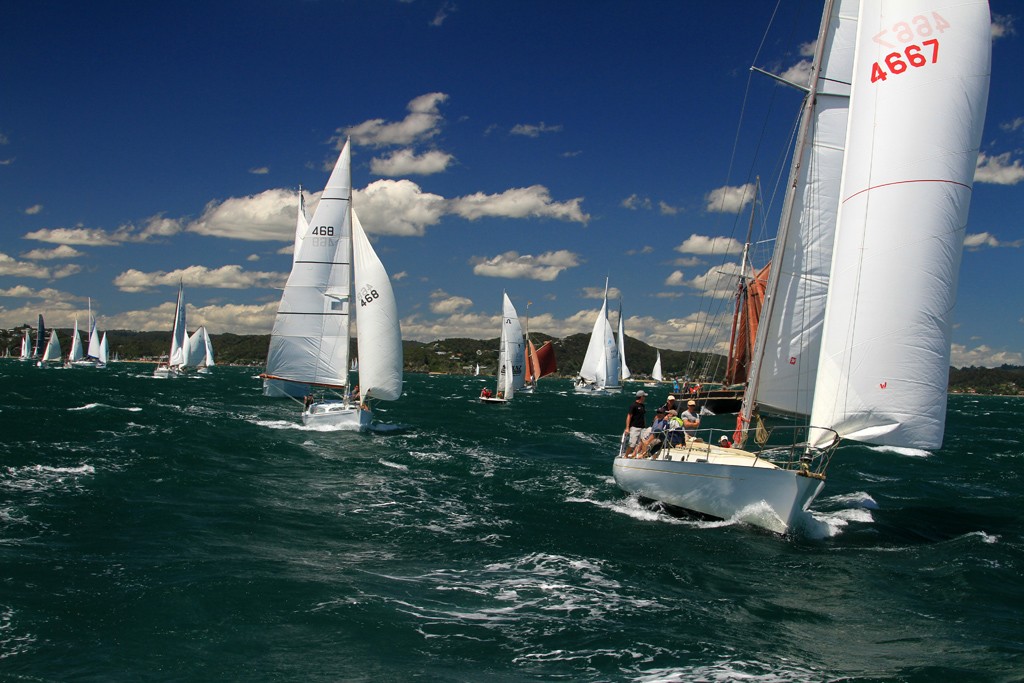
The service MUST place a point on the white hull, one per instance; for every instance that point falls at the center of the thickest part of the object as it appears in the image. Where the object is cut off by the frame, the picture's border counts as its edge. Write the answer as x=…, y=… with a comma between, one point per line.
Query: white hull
x=595, y=390
x=492, y=399
x=337, y=414
x=720, y=483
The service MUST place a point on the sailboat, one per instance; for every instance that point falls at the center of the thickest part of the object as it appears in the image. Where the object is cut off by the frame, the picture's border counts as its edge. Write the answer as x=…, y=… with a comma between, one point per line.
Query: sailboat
x=40, y=345
x=200, y=350
x=511, y=350
x=599, y=373
x=52, y=353
x=178, y=356
x=656, y=373
x=915, y=119
x=104, y=352
x=335, y=270
x=26, y=345
x=538, y=362
x=276, y=388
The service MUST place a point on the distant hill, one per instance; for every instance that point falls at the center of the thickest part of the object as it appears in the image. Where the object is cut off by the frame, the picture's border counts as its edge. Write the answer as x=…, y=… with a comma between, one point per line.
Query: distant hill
x=460, y=356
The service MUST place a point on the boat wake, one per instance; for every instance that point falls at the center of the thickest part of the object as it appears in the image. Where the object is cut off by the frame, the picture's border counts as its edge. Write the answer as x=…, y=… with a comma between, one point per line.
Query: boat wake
x=898, y=450
x=93, y=406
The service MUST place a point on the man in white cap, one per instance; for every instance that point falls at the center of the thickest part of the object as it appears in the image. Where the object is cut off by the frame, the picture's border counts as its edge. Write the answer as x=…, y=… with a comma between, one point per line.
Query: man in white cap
x=691, y=419
x=635, y=420
x=670, y=404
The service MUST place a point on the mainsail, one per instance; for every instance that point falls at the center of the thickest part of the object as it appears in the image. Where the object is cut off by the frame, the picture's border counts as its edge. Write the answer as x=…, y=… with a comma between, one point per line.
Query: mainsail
x=179, y=353
x=77, y=352
x=916, y=117
x=601, y=362
x=310, y=339
x=38, y=349
x=511, y=376
x=51, y=354
x=624, y=372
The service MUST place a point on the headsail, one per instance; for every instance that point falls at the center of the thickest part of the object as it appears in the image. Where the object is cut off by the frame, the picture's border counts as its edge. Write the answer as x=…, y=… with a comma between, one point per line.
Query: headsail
x=51, y=353
x=916, y=118
x=624, y=372
x=77, y=352
x=511, y=376
x=656, y=372
x=178, y=356
x=379, y=334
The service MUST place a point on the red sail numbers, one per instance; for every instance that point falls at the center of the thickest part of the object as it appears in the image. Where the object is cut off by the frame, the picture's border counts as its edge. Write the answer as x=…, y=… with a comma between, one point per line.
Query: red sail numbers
x=913, y=55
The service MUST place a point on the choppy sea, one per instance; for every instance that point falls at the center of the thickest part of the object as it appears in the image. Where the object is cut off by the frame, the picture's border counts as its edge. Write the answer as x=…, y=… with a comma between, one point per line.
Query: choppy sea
x=192, y=530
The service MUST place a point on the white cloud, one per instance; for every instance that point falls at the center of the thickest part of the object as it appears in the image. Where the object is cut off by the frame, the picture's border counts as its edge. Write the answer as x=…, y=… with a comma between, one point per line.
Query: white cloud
x=407, y=162
x=225, y=277
x=799, y=73
x=598, y=293
x=667, y=209
x=1002, y=26
x=442, y=13
x=34, y=209
x=61, y=252
x=700, y=244
x=252, y=257
x=676, y=279
x=983, y=239
x=532, y=131
x=11, y=266
x=544, y=267
x=983, y=356
x=635, y=201
x=218, y=319
x=1014, y=125
x=521, y=202
x=397, y=207
x=269, y=215
x=688, y=262
x=719, y=282
x=422, y=123
x=998, y=169
x=446, y=304
x=154, y=227
x=400, y=276
x=729, y=199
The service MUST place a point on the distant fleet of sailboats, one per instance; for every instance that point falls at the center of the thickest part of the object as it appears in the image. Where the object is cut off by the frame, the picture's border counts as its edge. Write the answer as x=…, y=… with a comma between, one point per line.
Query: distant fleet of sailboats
x=187, y=353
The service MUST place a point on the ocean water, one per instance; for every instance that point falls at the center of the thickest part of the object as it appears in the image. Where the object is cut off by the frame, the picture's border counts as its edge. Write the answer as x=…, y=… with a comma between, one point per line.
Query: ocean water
x=192, y=530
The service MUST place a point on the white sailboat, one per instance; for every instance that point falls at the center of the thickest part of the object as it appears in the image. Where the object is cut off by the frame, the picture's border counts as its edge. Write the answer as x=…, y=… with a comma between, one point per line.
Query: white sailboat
x=336, y=268
x=178, y=356
x=200, y=350
x=26, y=345
x=104, y=352
x=915, y=118
x=52, y=353
x=276, y=388
x=77, y=353
x=511, y=355
x=624, y=372
x=600, y=370
x=656, y=373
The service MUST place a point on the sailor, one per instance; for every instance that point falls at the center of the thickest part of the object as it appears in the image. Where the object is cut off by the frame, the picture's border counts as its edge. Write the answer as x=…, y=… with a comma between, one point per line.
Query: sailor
x=636, y=419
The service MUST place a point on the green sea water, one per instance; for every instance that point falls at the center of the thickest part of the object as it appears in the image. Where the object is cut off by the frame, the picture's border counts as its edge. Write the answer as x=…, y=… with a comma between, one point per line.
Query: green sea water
x=192, y=530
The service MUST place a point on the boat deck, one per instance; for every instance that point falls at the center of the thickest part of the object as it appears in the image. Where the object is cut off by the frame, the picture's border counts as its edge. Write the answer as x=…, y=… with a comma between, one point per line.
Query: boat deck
x=699, y=451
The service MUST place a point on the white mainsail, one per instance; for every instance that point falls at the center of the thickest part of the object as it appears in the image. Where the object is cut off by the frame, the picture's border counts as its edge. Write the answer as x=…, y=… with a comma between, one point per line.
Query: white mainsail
x=511, y=351
x=310, y=340
x=379, y=339
x=624, y=372
x=178, y=356
x=916, y=118
x=94, y=335
x=77, y=352
x=26, y=345
x=789, y=336
x=301, y=225
x=656, y=372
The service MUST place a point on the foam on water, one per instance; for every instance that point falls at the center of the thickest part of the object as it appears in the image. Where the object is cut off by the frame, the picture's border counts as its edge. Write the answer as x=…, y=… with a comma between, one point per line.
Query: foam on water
x=909, y=452
x=93, y=406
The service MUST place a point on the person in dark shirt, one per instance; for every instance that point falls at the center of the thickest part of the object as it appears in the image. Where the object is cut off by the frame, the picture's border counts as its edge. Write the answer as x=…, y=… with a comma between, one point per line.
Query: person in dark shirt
x=636, y=420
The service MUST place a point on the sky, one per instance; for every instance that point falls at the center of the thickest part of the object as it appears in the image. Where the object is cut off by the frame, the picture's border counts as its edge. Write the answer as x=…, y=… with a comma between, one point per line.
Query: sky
x=532, y=147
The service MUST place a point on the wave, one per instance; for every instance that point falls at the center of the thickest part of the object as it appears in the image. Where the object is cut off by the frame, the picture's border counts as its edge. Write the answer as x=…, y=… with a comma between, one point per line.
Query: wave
x=93, y=406
x=910, y=452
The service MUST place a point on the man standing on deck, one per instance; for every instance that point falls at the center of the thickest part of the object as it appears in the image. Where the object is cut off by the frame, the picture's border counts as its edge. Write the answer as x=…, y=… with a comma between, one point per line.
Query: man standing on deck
x=635, y=420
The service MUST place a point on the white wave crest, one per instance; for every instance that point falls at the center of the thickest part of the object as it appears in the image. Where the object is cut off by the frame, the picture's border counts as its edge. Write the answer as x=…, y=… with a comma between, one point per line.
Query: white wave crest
x=93, y=406
x=394, y=465
x=910, y=452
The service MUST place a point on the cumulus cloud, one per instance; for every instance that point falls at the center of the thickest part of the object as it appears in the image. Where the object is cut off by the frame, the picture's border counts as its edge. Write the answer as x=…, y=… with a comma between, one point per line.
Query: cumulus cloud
x=218, y=319
x=719, y=282
x=667, y=209
x=398, y=207
x=407, y=162
x=422, y=123
x=269, y=215
x=260, y=170
x=442, y=13
x=61, y=252
x=983, y=239
x=983, y=356
x=1014, y=125
x=34, y=209
x=729, y=199
x=12, y=266
x=521, y=202
x=225, y=277
x=511, y=264
x=534, y=130
x=446, y=304
x=154, y=227
x=598, y=293
x=635, y=201
x=1002, y=26
x=998, y=169
x=700, y=244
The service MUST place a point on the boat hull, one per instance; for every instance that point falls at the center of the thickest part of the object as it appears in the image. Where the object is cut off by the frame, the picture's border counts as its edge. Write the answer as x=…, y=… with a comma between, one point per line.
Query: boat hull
x=337, y=414
x=493, y=399
x=721, y=490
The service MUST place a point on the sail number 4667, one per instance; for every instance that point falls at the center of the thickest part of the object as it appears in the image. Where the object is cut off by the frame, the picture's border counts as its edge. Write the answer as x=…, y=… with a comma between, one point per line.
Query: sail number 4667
x=913, y=55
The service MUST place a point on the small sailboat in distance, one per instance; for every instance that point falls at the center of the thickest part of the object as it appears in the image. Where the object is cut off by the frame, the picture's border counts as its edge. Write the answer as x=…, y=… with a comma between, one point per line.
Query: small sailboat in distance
x=511, y=356
x=599, y=373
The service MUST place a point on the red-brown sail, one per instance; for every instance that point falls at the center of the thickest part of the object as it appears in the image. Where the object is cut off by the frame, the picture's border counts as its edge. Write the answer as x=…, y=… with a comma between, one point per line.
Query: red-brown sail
x=749, y=300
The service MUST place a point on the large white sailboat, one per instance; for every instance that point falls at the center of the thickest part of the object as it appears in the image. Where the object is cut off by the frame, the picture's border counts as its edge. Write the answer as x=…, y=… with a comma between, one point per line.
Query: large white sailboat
x=599, y=373
x=52, y=353
x=511, y=355
x=336, y=275
x=900, y=152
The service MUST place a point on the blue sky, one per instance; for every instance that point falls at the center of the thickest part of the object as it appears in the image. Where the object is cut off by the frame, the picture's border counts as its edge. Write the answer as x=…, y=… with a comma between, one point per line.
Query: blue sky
x=533, y=147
